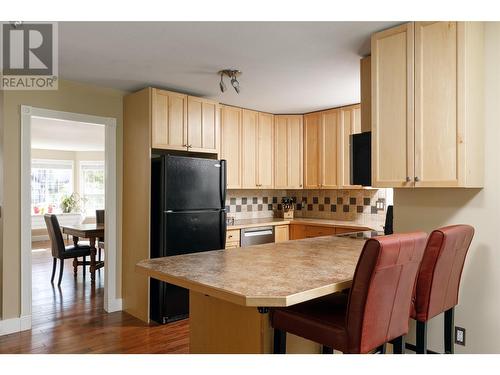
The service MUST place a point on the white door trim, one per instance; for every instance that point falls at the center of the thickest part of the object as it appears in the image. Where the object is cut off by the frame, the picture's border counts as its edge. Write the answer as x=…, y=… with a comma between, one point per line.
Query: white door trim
x=111, y=302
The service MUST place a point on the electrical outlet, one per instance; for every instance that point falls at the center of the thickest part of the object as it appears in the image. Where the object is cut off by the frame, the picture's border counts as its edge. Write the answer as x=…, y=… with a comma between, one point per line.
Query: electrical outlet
x=460, y=336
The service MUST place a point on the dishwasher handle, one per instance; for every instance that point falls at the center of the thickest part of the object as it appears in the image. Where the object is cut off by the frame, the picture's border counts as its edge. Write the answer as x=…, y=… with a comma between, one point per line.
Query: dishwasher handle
x=259, y=233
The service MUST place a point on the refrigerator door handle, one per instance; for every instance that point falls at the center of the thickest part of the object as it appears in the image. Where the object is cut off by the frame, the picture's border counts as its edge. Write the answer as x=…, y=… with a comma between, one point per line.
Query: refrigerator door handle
x=223, y=226
x=223, y=183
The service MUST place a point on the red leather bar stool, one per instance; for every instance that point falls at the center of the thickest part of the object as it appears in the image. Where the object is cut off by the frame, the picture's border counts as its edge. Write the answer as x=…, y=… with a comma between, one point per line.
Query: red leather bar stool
x=438, y=281
x=375, y=311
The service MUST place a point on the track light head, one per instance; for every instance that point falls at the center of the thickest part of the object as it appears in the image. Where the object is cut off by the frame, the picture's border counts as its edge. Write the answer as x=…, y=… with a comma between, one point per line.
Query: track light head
x=235, y=84
x=232, y=74
x=222, y=85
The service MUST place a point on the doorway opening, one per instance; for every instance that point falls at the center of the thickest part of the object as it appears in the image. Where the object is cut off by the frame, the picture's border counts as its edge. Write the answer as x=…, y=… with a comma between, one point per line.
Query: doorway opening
x=68, y=170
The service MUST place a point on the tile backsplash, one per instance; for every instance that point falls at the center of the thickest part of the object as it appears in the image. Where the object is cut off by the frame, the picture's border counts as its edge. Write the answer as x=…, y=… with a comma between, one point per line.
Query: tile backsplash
x=361, y=205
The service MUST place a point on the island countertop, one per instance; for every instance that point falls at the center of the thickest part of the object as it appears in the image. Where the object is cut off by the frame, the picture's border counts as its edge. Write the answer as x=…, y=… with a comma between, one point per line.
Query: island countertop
x=270, y=275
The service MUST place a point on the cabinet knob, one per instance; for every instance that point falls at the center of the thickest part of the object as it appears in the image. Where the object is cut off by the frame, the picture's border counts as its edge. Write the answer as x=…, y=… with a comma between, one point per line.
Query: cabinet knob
x=300, y=185
x=407, y=178
x=417, y=179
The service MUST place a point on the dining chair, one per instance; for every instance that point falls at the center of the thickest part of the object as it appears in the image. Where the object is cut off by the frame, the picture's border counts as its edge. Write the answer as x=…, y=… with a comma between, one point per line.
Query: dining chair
x=99, y=219
x=62, y=252
x=375, y=311
x=438, y=282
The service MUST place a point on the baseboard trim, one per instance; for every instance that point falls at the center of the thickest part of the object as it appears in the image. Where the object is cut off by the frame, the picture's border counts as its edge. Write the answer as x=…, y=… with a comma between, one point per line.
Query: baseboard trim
x=115, y=304
x=14, y=325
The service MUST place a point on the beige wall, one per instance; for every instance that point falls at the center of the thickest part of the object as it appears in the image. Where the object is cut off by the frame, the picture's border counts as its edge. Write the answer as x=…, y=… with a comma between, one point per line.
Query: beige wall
x=479, y=302
x=70, y=97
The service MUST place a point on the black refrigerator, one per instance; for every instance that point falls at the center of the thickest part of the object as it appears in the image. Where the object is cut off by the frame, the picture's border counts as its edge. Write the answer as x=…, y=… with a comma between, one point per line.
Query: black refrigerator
x=187, y=216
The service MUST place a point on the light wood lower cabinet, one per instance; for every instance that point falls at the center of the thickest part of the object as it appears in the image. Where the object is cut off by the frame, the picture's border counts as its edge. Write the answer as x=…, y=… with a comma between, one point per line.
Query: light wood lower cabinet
x=281, y=233
x=427, y=105
x=301, y=231
x=232, y=238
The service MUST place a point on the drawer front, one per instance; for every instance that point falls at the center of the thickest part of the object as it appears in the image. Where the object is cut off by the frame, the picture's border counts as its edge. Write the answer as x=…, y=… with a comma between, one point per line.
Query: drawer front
x=233, y=235
x=315, y=231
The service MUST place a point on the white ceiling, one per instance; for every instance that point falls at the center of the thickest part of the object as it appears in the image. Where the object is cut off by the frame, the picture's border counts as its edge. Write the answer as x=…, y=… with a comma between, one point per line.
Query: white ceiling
x=50, y=134
x=288, y=67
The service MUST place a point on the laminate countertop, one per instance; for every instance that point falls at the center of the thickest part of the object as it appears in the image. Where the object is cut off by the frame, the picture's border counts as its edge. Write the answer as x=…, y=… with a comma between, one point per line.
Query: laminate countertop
x=250, y=223
x=269, y=275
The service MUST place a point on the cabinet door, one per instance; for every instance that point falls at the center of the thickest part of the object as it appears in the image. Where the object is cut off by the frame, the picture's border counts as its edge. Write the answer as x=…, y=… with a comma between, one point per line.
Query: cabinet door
x=265, y=151
x=202, y=125
x=297, y=231
x=329, y=149
x=392, y=107
x=169, y=129
x=295, y=150
x=436, y=105
x=350, y=123
x=231, y=120
x=281, y=142
x=281, y=233
x=288, y=147
x=312, y=128
x=249, y=149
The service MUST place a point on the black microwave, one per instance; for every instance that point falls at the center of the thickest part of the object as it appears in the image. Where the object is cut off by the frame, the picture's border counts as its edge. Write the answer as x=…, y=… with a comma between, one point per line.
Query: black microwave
x=360, y=146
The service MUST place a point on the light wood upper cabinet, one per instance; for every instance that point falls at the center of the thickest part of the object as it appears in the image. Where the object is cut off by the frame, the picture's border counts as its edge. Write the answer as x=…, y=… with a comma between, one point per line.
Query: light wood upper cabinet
x=428, y=105
x=257, y=150
x=184, y=123
x=231, y=135
x=288, y=146
x=312, y=142
x=249, y=140
x=265, y=151
x=329, y=149
x=366, y=93
x=169, y=112
x=350, y=123
x=203, y=125
x=392, y=107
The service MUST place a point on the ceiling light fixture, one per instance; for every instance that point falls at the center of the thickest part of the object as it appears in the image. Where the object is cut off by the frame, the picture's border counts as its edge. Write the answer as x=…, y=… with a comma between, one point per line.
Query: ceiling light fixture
x=232, y=74
x=222, y=85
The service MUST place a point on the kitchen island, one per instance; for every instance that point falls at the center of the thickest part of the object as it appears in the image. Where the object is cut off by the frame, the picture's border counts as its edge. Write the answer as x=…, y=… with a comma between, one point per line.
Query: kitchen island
x=231, y=291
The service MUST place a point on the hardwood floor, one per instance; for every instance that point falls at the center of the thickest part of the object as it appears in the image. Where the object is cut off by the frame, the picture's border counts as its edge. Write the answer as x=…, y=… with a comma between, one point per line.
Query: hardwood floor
x=71, y=319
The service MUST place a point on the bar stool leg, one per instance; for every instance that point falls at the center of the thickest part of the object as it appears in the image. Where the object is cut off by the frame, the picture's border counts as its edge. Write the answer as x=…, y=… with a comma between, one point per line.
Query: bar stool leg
x=279, y=341
x=327, y=350
x=382, y=349
x=421, y=337
x=449, y=322
x=399, y=345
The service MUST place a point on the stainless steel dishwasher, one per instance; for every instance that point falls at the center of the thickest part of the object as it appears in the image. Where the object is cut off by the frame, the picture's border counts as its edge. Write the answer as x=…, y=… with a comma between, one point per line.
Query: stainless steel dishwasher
x=257, y=236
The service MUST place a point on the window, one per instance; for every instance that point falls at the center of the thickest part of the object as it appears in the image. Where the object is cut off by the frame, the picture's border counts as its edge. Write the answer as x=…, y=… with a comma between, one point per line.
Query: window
x=51, y=180
x=92, y=186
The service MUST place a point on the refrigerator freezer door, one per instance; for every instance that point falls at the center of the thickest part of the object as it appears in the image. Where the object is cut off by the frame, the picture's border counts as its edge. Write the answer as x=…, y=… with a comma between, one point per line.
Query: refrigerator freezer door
x=194, y=231
x=194, y=184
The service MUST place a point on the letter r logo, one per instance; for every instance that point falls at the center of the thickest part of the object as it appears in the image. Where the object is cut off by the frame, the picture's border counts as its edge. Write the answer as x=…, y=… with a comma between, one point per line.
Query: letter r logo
x=27, y=49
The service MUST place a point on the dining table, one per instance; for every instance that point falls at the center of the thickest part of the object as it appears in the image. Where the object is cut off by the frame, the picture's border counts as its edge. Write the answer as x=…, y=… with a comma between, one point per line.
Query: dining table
x=92, y=232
